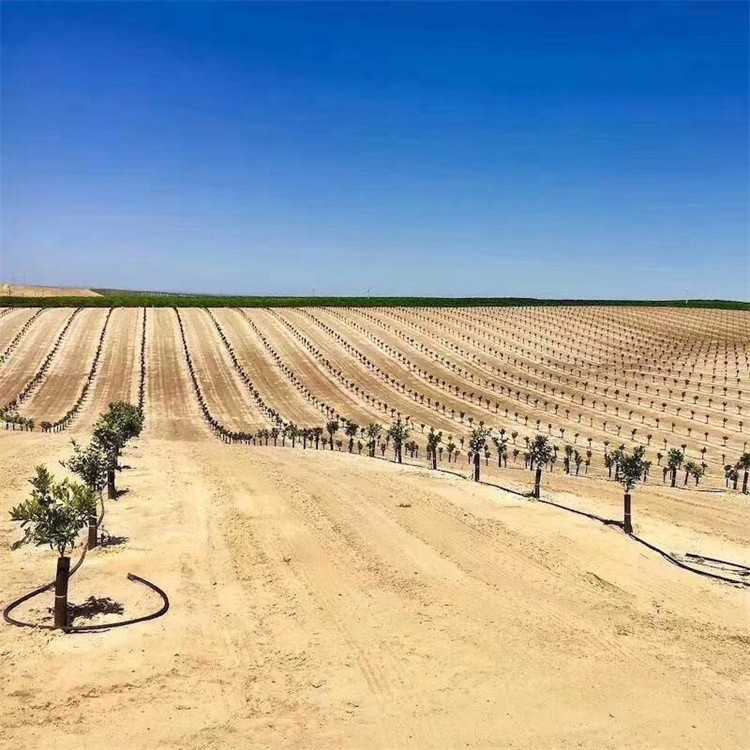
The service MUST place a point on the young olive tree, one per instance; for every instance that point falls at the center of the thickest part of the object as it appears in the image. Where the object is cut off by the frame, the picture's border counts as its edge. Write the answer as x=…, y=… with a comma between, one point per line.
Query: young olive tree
x=632, y=469
x=351, y=430
x=744, y=465
x=675, y=458
x=501, y=443
x=54, y=515
x=90, y=464
x=433, y=442
x=332, y=427
x=477, y=445
x=373, y=433
x=399, y=433
x=112, y=431
x=540, y=454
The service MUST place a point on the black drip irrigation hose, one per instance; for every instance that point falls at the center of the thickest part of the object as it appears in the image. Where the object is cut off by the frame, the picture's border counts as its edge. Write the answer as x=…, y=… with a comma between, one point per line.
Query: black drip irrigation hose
x=685, y=566
x=85, y=628
x=717, y=560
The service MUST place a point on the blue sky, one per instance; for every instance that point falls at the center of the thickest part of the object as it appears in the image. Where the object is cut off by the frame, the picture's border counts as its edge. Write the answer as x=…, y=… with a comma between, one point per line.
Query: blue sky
x=595, y=149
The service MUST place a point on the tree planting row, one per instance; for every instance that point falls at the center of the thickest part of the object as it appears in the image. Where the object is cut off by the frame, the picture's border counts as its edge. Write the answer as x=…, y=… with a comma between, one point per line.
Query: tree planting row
x=27, y=390
x=289, y=373
x=370, y=399
x=271, y=414
x=59, y=510
x=589, y=353
x=226, y=435
x=142, y=368
x=65, y=421
x=19, y=337
x=529, y=397
x=583, y=368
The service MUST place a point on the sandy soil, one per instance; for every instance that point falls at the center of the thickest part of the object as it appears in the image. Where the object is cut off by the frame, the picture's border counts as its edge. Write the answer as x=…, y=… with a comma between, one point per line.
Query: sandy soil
x=20, y=290
x=325, y=600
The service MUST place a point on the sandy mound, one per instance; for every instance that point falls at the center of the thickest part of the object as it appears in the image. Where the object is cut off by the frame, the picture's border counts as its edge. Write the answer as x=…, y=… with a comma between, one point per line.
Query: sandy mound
x=15, y=290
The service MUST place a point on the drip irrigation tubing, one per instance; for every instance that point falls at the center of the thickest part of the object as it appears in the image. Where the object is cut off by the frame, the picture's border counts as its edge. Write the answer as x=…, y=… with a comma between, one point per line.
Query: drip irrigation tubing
x=85, y=628
x=685, y=566
x=717, y=560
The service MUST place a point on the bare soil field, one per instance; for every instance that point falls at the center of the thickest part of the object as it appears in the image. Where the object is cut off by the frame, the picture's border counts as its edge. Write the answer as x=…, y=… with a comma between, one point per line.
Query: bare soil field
x=322, y=599
x=21, y=290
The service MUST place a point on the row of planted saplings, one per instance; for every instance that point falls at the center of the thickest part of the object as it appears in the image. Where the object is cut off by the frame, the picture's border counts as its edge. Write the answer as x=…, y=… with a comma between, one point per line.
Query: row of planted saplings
x=226, y=435
x=606, y=389
x=683, y=345
x=41, y=372
x=59, y=509
x=72, y=413
x=485, y=402
x=17, y=338
x=287, y=371
x=349, y=385
x=269, y=411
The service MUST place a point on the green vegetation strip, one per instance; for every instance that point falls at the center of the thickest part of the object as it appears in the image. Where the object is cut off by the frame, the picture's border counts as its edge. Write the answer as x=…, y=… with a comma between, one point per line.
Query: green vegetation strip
x=155, y=299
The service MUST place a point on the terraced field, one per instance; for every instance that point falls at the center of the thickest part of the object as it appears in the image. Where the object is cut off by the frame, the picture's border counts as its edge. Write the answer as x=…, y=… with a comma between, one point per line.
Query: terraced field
x=322, y=599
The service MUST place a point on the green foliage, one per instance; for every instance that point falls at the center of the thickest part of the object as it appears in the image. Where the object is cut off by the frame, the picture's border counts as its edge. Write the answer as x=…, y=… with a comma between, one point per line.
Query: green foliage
x=112, y=430
x=540, y=451
x=373, y=433
x=632, y=467
x=129, y=417
x=399, y=432
x=675, y=457
x=55, y=513
x=90, y=463
x=117, y=298
x=433, y=440
x=478, y=439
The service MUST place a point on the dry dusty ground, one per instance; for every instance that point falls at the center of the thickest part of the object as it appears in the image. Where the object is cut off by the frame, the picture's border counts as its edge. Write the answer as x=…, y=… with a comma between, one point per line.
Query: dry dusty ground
x=20, y=290
x=322, y=600
x=330, y=601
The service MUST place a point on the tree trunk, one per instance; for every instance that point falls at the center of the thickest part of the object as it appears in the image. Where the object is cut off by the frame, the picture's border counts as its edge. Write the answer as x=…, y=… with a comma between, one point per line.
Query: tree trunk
x=351, y=444
x=434, y=459
x=674, y=478
x=627, y=521
x=93, y=541
x=476, y=466
x=111, y=489
x=61, y=592
x=744, y=482
x=538, y=484
x=331, y=441
x=399, y=456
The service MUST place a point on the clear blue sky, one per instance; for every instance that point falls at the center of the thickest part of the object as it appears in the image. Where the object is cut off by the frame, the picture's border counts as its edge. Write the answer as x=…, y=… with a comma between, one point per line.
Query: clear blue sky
x=595, y=149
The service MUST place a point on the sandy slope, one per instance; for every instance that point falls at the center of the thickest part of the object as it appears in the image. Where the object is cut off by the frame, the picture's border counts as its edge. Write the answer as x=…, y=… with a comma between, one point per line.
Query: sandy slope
x=322, y=600
x=19, y=290
x=310, y=610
